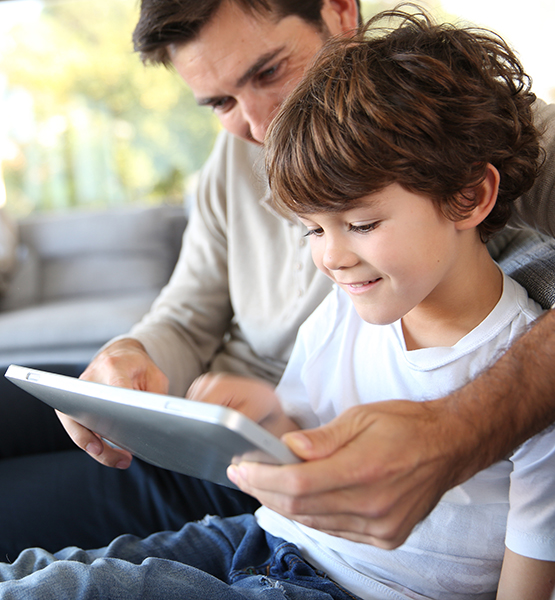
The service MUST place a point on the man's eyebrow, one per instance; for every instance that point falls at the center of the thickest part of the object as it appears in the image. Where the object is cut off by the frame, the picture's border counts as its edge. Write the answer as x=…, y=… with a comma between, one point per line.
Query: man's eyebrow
x=257, y=66
x=249, y=73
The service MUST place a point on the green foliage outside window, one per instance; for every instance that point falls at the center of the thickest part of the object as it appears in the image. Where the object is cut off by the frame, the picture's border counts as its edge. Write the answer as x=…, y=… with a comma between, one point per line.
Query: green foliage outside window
x=83, y=122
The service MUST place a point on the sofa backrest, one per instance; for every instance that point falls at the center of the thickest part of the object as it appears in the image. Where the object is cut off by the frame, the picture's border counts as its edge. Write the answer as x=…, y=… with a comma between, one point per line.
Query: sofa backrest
x=87, y=254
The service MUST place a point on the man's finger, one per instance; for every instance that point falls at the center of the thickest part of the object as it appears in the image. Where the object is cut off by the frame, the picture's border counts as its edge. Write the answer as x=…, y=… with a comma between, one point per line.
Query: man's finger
x=321, y=442
x=94, y=446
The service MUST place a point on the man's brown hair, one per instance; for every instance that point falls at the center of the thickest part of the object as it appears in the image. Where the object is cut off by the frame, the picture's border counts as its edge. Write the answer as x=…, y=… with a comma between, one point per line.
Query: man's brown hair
x=163, y=23
x=423, y=105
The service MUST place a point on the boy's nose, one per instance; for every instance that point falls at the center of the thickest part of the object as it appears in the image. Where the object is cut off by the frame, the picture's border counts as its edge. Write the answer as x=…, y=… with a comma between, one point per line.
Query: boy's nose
x=336, y=257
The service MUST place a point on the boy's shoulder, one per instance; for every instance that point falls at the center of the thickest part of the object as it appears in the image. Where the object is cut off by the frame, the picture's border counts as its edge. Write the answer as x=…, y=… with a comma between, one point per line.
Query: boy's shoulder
x=516, y=294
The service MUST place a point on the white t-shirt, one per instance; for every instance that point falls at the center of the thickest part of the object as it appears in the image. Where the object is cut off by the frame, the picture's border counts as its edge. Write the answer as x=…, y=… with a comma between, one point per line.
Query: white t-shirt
x=456, y=553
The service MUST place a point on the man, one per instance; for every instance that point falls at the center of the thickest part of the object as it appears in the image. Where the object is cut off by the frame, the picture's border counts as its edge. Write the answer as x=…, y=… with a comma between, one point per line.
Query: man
x=243, y=285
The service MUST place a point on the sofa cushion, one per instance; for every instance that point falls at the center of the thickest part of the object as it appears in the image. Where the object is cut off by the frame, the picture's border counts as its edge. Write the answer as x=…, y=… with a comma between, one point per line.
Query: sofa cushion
x=93, y=254
x=78, y=328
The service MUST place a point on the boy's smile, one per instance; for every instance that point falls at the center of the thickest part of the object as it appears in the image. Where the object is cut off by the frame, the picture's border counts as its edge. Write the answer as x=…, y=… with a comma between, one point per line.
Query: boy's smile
x=394, y=253
x=358, y=288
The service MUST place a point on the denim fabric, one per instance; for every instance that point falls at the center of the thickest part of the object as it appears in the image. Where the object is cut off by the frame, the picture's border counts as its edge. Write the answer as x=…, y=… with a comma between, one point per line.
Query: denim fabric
x=224, y=559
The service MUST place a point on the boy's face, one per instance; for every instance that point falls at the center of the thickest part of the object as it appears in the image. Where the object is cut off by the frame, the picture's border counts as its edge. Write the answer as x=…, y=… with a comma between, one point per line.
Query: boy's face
x=244, y=65
x=392, y=252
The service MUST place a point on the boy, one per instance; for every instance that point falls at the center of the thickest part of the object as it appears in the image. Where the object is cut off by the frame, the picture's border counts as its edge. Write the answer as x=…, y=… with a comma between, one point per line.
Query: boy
x=402, y=153
x=397, y=184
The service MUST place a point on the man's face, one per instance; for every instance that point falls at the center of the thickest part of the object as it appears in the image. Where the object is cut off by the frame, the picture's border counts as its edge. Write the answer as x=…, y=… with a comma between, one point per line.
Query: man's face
x=244, y=65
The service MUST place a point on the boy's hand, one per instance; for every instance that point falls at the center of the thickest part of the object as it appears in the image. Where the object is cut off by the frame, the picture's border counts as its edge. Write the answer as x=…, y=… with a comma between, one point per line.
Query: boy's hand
x=372, y=473
x=254, y=398
x=124, y=364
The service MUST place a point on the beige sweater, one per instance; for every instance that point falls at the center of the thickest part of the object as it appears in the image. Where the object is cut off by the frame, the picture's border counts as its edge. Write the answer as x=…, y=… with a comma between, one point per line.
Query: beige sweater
x=244, y=282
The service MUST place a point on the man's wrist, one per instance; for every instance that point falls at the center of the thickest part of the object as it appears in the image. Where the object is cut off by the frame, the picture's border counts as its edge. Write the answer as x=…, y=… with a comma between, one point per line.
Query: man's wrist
x=506, y=405
x=127, y=343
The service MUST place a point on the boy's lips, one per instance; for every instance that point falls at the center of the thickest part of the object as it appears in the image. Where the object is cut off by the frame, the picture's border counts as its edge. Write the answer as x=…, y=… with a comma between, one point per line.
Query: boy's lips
x=360, y=285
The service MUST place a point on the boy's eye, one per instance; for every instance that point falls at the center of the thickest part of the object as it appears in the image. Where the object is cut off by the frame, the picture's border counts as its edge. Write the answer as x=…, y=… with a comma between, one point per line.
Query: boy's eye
x=363, y=228
x=317, y=232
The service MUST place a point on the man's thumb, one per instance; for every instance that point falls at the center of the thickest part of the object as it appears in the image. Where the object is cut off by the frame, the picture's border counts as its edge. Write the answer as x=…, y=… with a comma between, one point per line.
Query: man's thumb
x=321, y=442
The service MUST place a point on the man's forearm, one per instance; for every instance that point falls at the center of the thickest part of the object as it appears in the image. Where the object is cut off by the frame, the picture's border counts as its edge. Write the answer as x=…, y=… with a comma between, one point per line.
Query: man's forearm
x=510, y=402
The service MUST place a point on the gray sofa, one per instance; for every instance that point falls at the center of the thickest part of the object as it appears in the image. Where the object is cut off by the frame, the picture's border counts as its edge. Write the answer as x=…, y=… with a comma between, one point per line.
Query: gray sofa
x=82, y=278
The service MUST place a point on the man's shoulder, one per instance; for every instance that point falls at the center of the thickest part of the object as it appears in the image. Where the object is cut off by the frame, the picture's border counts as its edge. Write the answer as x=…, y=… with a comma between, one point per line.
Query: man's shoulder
x=229, y=150
x=232, y=175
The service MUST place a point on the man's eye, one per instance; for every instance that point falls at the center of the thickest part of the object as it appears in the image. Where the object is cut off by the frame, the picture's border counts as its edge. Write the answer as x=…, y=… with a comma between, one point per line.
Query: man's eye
x=269, y=73
x=221, y=104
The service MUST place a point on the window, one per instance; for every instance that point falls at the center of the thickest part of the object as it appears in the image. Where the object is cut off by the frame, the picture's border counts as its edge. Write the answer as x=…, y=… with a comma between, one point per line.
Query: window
x=526, y=26
x=82, y=121
x=84, y=124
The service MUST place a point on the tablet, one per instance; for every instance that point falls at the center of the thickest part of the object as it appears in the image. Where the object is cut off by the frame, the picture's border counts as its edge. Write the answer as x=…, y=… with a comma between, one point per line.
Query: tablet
x=189, y=437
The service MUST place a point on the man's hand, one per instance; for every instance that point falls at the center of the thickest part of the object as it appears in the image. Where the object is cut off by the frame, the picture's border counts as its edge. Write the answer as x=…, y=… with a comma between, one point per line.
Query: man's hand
x=124, y=364
x=371, y=474
x=378, y=469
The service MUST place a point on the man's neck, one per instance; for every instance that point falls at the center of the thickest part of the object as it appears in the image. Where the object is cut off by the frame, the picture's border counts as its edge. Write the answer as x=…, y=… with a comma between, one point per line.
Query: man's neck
x=457, y=306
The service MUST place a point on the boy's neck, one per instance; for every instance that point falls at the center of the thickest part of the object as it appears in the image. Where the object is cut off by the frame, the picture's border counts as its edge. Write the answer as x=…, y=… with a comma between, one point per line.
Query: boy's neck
x=458, y=306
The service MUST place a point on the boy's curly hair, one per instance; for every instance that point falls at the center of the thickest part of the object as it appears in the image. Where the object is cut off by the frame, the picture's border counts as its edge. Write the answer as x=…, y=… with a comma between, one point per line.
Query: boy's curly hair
x=424, y=105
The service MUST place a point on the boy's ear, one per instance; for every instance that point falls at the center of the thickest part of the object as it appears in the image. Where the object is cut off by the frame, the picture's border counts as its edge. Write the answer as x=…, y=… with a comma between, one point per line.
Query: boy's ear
x=340, y=16
x=485, y=198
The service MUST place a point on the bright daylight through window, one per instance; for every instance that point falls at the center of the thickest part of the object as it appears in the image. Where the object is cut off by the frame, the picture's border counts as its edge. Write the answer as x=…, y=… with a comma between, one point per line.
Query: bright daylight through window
x=84, y=124
x=82, y=121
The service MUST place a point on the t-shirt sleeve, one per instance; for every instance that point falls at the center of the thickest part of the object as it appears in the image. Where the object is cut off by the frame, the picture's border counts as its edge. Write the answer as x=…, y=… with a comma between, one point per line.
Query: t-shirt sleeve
x=531, y=520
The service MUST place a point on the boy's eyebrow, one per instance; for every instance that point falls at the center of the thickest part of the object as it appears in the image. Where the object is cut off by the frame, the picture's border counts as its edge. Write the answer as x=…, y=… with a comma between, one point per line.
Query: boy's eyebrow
x=260, y=63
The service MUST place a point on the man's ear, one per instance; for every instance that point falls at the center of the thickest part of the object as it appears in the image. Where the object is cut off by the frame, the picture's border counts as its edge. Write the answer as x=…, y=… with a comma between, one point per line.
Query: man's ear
x=485, y=195
x=340, y=16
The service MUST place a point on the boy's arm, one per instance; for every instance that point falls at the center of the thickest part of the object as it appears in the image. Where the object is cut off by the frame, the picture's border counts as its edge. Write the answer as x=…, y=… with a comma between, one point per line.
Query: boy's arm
x=524, y=578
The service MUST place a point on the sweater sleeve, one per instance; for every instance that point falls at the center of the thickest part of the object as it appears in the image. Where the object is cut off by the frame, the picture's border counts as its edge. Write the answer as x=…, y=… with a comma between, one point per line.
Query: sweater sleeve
x=536, y=208
x=188, y=320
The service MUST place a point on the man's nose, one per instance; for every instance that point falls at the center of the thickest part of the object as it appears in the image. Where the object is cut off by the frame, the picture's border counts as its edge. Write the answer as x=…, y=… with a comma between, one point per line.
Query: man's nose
x=258, y=115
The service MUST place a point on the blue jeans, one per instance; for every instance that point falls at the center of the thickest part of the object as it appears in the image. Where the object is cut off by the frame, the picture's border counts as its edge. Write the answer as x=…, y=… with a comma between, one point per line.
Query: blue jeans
x=223, y=559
